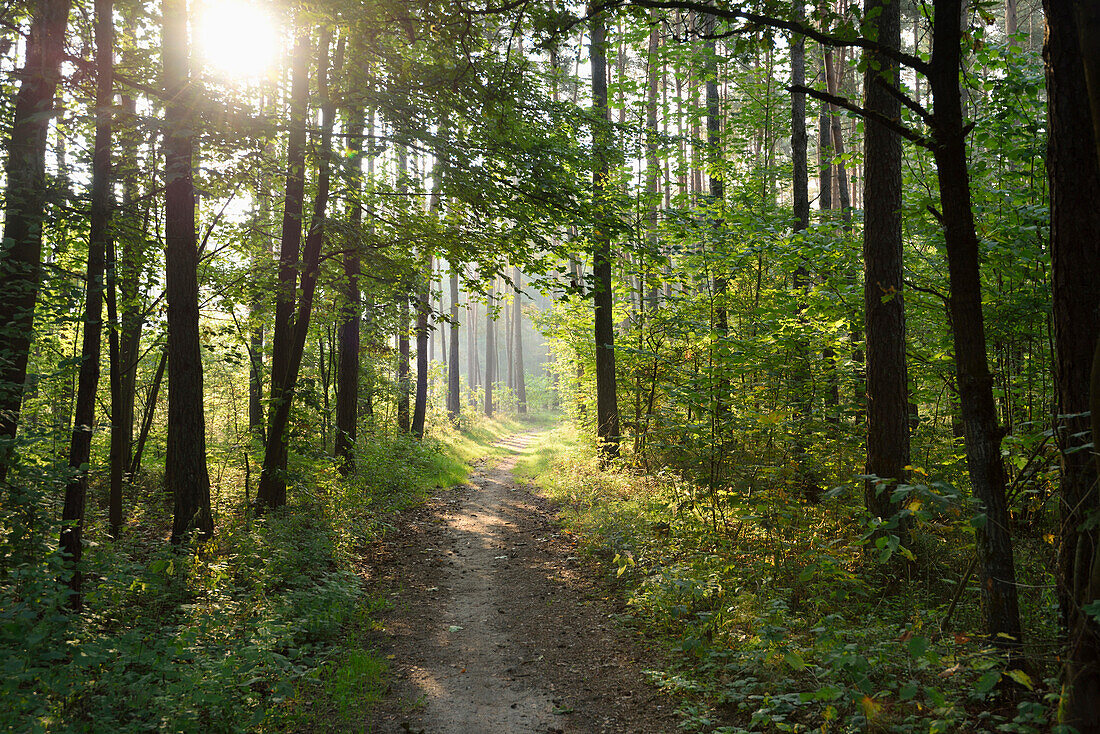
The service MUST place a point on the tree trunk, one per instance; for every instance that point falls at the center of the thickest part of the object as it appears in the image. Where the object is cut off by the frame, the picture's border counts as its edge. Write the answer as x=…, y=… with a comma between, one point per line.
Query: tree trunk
x=150, y=412
x=490, y=350
x=517, y=340
x=997, y=573
x=185, y=471
x=403, y=359
x=420, y=406
x=24, y=210
x=715, y=166
x=607, y=408
x=652, y=165
x=803, y=397
x=454, y=397
x=347, y=381
x=883, y=301
x=80, y=447
x=127, y=317
x=1074, y=176
x=272, y=489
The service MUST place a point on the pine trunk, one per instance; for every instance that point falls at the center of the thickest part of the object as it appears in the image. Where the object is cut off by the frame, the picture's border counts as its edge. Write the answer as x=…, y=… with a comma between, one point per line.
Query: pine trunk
x=607, y=409
x=24, y=211
x=1074, y=176
x=80, y=447
x=272, y=490
x=454, y=397
x=347, y=381
x=185, y=470
x=883, y=301
x=517, y=340
x=997, y=572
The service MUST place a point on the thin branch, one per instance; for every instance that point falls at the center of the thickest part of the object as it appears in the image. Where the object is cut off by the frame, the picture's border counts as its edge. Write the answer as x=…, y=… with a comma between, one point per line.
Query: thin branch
x=805, y=29
x=919, y=110
x=930, y=291
x=910, y=135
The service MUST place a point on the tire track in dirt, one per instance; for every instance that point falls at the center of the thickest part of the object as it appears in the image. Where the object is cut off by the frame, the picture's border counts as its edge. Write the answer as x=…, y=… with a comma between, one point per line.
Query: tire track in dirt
x=496, y=626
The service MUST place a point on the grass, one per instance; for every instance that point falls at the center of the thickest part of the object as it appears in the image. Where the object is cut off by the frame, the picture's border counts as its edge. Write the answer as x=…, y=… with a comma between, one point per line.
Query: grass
x=262, y=628
x=774, y=616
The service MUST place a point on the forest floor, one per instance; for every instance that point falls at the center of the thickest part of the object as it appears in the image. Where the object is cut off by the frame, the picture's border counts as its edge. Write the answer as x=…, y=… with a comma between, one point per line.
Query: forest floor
x=497, y=625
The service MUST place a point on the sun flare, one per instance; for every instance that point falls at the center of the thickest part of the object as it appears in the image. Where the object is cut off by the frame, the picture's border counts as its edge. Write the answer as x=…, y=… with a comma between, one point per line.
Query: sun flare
x=237, y=39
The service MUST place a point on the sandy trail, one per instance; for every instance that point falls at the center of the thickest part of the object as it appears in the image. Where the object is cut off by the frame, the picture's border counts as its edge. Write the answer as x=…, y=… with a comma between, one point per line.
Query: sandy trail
x=495, y=627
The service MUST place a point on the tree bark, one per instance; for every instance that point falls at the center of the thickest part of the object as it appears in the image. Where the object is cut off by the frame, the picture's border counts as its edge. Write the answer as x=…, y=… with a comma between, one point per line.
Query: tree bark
x=997, y=572
x=347, y=381
x=403, y=360
x=80, y=446
x=272, y=489
x=803, y=397
x=185, y=470
x=490, y=350
x=420, y=406
x=127, y=317
x=517, y=339
x=24, y=210
x=607, y=408
x=272, y=492
x=652, y=165
x=883, y=301
x=1074, y=175
x=454, y=398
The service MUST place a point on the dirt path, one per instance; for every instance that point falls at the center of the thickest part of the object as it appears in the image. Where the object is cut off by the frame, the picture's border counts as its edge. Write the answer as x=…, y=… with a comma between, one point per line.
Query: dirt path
x=495, y=627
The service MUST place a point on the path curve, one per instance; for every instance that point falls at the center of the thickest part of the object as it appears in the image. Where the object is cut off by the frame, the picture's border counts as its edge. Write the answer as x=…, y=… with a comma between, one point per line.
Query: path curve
x=495, y=626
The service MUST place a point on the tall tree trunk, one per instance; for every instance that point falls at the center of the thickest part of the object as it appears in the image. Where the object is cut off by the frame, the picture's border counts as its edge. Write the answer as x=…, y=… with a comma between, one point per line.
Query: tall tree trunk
x=517, y=339
x=420, y=406
x=454, y=397
x=825, y=154
x=403, y=358
x=715, y=165
x=347, y=384
x=24, y=210
x=803, y=398
x=652, y=165
x=472, y=368
x=80, y=447
x=490, y=350
x=607, y=408
x=509, y=334
x=127, y=317
x=883, y=301
x=185, y=471
x=979, y=412
x=424, y=309
x=1074, y=176
x=272, y=489
x=272, y=492
x=404, y=418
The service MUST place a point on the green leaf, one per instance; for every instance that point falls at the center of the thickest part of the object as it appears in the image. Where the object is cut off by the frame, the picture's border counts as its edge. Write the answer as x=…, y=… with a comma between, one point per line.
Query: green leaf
x=1022, y=678
x=795, y=660
x=918, y=646
x=987, y=681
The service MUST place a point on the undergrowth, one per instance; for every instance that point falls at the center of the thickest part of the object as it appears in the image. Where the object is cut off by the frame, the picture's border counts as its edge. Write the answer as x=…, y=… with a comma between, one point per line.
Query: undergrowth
x=259, y=629
x=777, y=614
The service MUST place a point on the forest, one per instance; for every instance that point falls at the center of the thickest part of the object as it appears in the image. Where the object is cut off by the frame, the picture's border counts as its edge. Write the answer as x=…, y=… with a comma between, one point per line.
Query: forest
x=792, y=306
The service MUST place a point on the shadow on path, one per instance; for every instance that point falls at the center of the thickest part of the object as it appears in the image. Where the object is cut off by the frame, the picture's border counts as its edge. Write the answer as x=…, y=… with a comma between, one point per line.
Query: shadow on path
x=495, y=627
